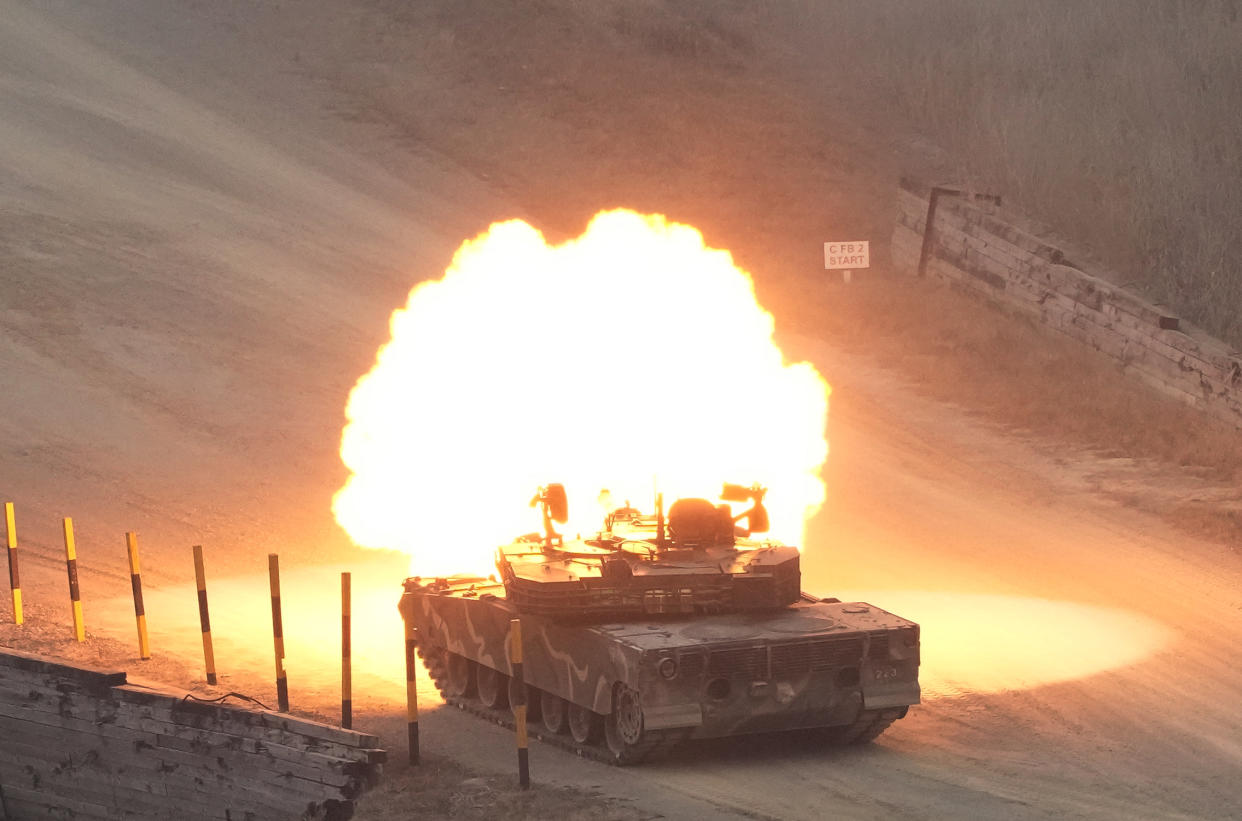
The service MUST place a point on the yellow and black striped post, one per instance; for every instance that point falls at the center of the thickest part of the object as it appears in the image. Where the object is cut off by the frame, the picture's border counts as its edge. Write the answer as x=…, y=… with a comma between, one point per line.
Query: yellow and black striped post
x=518, y=695
x=278, y=634
x=204, y=618
x=411, y=694
x=15, y=583
x=135, y=580
x=75, y=594
x=347, y=678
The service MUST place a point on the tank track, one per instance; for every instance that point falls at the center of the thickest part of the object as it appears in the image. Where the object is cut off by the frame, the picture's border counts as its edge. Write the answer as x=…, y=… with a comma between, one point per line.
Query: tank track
x=655, y=744
x=436, y=666
x=869, y=725
x=866, y=728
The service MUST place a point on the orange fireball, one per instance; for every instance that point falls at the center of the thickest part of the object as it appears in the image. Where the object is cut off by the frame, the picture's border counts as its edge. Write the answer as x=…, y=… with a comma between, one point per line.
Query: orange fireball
x=632, y=358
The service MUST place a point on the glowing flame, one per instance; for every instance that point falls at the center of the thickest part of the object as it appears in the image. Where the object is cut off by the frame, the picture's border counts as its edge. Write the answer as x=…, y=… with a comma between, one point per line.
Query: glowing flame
x=632, y=358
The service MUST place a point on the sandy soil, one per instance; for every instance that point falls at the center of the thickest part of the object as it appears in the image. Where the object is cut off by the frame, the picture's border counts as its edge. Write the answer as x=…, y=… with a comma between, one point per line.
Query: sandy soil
x=207, y=212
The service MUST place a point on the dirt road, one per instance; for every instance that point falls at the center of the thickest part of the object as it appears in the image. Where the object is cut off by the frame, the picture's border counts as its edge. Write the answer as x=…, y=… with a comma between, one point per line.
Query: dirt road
x=207, y=212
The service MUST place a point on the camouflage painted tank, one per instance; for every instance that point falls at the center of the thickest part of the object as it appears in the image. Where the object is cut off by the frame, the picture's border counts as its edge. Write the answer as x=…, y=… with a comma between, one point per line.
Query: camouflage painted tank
x=624, y=686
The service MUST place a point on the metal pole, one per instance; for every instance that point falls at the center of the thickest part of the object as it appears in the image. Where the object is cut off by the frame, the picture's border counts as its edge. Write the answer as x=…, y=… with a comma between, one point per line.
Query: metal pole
x=278, y=634
x=75, y=594
x=411, y=694
x=519, y=702
x=135, y=580
x=15, y=584
x=928, y=230
x=347, y=686
x=204, y=619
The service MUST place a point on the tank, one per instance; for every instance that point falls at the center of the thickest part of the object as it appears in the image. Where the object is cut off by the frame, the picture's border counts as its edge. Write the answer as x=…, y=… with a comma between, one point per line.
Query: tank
x=658, y=630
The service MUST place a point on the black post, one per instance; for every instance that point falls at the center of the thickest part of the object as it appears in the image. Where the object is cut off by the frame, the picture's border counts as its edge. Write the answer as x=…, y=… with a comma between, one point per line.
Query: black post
x=15, y=582
x=518, y=695
x=278, y=634
x=347, y=683
x=204, y=618
x=411, y=694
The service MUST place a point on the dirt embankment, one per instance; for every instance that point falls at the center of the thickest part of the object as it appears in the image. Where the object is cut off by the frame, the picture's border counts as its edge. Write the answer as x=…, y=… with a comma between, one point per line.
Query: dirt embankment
x=209, y=209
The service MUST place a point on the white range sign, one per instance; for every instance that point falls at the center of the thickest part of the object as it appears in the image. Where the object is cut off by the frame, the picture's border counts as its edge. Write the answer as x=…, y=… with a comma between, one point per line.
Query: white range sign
x=847, y=255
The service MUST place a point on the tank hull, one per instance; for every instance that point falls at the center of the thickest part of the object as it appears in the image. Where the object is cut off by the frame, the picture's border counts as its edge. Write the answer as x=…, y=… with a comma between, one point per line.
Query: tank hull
x=826, y=663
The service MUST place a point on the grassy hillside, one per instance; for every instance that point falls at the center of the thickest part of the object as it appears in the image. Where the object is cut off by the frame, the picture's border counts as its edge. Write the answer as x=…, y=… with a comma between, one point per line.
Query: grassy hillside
x=1117, y=122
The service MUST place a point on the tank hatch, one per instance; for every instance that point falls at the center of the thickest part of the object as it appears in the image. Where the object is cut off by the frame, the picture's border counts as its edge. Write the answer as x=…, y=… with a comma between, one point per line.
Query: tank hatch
x=697, y=560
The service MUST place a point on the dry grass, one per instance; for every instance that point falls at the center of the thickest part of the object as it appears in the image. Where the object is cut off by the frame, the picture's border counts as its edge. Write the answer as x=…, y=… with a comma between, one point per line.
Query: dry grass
x=1017, y=373
x=694, y=108
x=1117, y=122
x=1007, y=366
x=440, y=788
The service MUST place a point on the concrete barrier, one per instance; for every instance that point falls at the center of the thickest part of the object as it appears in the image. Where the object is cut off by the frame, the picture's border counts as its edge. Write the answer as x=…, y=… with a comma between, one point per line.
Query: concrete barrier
x=83, y=743
x=974, y=246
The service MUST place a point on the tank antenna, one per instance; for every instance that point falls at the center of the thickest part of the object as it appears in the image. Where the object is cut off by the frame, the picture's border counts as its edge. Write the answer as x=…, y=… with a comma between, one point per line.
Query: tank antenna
x=661, y=542
x=551, y=499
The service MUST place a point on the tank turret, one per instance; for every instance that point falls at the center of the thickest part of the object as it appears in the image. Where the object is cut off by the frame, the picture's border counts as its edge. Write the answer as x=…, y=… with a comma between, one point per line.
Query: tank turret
x=696, y=560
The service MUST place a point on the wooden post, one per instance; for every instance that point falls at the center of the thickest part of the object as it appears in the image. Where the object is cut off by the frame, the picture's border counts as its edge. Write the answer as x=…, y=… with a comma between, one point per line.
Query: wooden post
x=278, y=634
x=929, y=229
x=75, y=594
x=347, y=686
x=411, y=694
x=15, y=584
x=135, y=580
x=204, y=619
x=519, y=702
x=929, y=223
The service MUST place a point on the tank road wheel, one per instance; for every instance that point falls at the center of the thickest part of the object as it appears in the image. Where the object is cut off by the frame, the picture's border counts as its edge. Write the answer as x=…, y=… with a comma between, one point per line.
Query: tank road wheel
x=462, y=676
x=555, y=712
x=493, y=687
x=585, y=726
x=628, y=740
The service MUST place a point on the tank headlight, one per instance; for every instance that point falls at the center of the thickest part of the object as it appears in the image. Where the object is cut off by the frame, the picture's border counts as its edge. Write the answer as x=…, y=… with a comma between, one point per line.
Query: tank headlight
x=667, y=667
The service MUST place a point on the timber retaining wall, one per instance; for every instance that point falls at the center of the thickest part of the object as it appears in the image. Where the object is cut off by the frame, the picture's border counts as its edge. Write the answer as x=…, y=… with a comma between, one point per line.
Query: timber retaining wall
x=83, y=743
x=975, y=247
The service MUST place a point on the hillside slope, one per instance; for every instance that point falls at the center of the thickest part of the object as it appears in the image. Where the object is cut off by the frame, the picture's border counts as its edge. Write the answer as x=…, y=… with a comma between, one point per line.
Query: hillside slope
x=208, y=211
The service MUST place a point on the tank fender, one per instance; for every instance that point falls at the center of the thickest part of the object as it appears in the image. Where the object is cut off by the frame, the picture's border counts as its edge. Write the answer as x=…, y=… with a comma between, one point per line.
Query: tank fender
x=492, y=653
x=454, y=624
x=581, y=671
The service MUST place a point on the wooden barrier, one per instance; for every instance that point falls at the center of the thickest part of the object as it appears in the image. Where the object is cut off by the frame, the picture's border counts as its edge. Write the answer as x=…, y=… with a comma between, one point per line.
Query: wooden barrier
x=83, y=743
x=975, y=247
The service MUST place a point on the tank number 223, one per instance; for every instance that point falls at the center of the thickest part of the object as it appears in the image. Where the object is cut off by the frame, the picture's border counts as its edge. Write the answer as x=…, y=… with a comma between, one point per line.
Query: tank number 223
x=882, y=673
